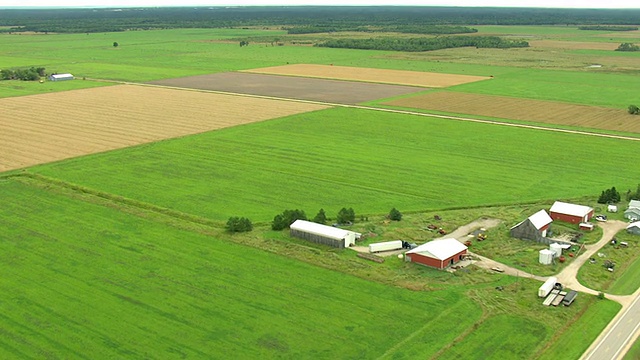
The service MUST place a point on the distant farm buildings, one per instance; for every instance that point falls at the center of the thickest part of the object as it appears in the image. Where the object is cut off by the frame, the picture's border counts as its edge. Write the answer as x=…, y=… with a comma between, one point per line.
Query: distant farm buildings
x=323, y=234
x=534, y=227
x=633, y=211
x=437, y=253
x=571, y=213
x=60, y=77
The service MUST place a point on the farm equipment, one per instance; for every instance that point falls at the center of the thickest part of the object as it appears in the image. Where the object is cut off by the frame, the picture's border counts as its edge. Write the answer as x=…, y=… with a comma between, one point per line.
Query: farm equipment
x=442, y=231
x=481, y=237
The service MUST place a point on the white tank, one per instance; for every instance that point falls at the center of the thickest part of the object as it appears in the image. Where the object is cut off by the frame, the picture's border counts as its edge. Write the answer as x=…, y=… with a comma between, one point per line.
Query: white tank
x=556, y=248
x=546, y=257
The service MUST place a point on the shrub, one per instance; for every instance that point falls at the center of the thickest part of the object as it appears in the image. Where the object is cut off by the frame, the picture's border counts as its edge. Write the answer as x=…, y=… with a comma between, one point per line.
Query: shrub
x=395, y=215
x=238, y=224
x=633, y=110
x=346, y=216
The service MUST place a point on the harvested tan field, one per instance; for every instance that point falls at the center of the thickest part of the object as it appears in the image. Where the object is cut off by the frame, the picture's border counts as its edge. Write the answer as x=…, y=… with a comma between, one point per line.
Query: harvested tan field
x=398, y=77
x=635, y=34
x=572, y=45
x=43, y=128
x=548, y=112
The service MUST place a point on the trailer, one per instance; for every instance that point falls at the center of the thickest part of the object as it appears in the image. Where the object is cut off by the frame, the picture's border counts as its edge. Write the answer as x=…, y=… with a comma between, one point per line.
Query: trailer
x=571, y=296
x=385, y=246
x=559, y=298
x=551, y=297
x=546, y=288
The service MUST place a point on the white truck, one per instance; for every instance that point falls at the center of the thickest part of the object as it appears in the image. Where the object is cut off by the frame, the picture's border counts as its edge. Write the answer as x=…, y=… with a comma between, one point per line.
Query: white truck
x=385, y=246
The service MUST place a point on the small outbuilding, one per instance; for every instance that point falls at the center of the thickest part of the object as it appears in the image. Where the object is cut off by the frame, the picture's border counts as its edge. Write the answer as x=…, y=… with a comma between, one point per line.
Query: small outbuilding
x=60, y=77
x=571, y=213
x=322, y=234
x=634, y=228
x=532, y=228
x=612, y=208
x=437, y=253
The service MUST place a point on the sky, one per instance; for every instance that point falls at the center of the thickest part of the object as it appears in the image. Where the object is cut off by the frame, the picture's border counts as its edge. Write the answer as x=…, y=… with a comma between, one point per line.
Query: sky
x=151, y=3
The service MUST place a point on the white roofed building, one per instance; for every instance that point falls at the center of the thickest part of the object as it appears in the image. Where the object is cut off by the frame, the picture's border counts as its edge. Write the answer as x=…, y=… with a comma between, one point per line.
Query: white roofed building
x=60, y=77
x=571, y=213
x=323, y=234
x=534, y=227
x=437, y=253
x=634, y=228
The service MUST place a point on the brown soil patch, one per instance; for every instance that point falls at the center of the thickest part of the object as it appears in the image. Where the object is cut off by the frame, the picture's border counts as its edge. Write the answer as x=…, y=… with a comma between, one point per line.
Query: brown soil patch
x=49, y=127
x=548, y=112
x=400, y=77
x=572, y=45
x=289, y=87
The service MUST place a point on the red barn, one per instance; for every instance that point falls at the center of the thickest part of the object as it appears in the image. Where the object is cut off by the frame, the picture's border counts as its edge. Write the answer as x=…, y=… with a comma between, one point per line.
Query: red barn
x=571, y=213
x=437, y=253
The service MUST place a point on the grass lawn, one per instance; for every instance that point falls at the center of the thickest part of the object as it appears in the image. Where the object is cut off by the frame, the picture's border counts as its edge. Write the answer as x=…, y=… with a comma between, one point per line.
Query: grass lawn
x=625, y=279
x=377, y=161
x=634, y=352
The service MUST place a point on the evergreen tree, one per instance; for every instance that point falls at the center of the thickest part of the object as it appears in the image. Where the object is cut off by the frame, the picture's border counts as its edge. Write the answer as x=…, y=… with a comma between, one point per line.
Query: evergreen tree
x=395, y=215
x=321, y=217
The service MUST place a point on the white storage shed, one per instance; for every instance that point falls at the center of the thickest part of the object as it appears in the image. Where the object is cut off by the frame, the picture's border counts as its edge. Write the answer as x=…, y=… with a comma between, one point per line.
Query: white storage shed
x=61, y=77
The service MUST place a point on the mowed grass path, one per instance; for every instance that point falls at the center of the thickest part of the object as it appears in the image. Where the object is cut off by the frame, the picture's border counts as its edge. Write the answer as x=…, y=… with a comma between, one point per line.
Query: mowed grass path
x=83, y=280
x=367, y=160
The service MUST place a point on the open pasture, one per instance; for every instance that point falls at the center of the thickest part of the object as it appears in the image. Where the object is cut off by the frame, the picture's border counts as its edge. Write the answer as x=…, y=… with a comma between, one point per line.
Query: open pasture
x=573, y=45
x=324, y=90
x=548, y=112
x=399, y=77
x=368, y=160
x=42, y=128
x=82, y=279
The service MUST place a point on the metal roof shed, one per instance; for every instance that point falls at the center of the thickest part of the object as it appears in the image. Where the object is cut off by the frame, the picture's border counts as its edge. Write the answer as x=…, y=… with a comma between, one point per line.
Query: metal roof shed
x=438, y=253
x=322, y=234
x=571, y=213
x=60, y=77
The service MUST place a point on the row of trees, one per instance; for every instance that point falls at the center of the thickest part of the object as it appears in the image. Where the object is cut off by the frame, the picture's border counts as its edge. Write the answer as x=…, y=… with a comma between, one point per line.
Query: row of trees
x=609, y=196
x=30, y=74
x=424, y=44
x=405, y=29
x=628, y=47
x=608, y=27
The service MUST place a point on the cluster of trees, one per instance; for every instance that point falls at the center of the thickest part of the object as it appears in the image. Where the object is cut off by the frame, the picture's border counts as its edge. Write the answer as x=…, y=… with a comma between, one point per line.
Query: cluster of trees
x=628, y=47
x=633, y=110
x=609, y=196
x=405, y=29
x=29, y=74
x=288, y=217
x=244, y=43
x=608, y=27
x=238, y=224
x=424, y=44
x=86, y=20
x=633, y=195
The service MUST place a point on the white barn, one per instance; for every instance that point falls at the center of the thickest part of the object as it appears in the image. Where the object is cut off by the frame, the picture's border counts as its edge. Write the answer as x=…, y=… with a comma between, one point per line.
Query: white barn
x=60, y=77
x=323, y=234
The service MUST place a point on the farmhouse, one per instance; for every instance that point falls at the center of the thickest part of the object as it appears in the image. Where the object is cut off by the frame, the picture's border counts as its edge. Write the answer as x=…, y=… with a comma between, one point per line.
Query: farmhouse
x=570, y=213
x=633, y=211
x=532, y=228
x=60, y=77
x=634, y=228
x=323, y=234
x=437, y=253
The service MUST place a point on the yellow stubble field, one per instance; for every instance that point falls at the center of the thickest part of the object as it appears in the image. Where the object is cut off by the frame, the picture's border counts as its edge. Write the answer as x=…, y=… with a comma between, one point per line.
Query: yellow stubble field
x=49, y=127
x=383, y=76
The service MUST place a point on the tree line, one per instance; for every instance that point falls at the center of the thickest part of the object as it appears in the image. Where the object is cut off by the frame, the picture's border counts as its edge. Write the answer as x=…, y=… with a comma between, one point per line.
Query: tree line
x=30, y=74
x=423, y=44
x=353, y=17
x=405, y=29
x=608, y=27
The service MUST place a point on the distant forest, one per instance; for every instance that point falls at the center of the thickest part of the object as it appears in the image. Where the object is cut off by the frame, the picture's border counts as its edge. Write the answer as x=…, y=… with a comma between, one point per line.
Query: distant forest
x=297, y=19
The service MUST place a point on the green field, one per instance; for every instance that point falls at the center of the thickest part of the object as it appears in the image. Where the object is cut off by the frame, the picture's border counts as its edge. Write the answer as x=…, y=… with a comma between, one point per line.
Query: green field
x=372, y=162
x=86, y=276
x=625, y=279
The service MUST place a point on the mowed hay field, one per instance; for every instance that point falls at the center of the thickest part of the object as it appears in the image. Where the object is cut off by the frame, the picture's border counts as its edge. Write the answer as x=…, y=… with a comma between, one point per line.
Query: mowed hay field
x=399, y=77
x=43, y=128
x=540, y=111
x=573, y=45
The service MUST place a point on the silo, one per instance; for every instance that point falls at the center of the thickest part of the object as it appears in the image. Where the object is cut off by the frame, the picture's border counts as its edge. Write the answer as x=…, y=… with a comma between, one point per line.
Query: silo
x=556, y=248
x=546, y=256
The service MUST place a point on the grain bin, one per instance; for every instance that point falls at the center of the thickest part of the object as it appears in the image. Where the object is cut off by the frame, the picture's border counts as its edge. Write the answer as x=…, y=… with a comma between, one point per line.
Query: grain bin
x=556, y=248
x=546, y=256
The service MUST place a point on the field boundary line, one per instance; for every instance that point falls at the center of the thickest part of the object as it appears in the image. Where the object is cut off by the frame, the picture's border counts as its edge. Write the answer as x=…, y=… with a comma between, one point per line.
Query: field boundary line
x=394, y=111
